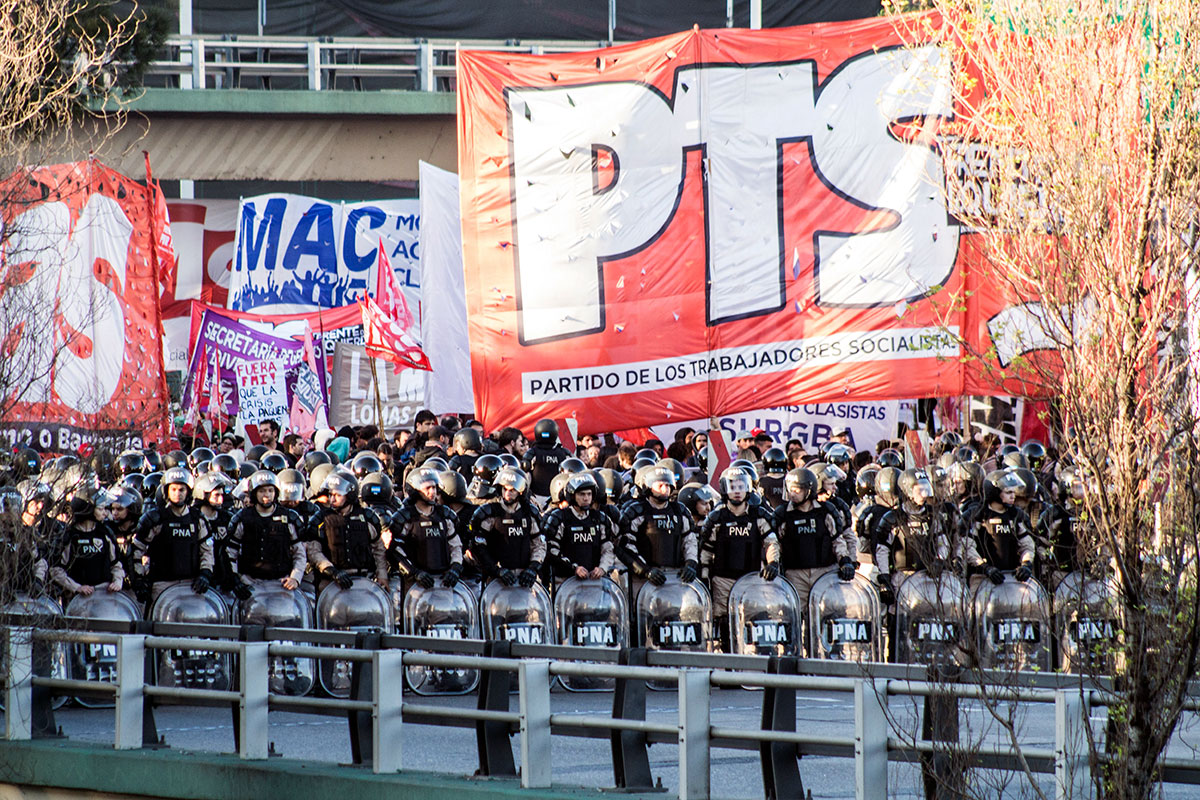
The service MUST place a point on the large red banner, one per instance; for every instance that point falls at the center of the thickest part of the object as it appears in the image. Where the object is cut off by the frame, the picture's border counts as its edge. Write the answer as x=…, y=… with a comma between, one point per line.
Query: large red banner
x=716, y=221
x=80, y=332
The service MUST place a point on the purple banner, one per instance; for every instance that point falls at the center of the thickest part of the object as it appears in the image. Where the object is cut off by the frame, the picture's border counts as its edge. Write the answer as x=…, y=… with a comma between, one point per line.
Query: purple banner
x=234, y=342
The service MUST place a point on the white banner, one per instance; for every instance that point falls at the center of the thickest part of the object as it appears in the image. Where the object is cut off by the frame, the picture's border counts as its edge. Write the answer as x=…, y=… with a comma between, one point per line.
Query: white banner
x=444, y=311
x=813, y=424
x=295, y=253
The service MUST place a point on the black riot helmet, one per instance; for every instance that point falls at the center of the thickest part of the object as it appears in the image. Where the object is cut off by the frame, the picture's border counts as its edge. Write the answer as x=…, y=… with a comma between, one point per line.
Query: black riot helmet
x=676, y=467
x=226, y=464
x=486, y=467
x=256, y=452
x=1015, y=459
x=545, y=432
x=208, y=483
x=839, y=455
x=998, y=481
x=341, y=482
x=887, y=486
x=572, y=466
x=452, y=486
x=692, y=494
x=731, y=478
x=1035, y=453
x=275, y=462
x=263, y=479
x=748, y=467
x=365, y=463
x=966, y=453
x=916, y=486
x=316, y=479
x=774, y=461
x=509, y=460
x=291, y=486
x=610, y=480
x=131, y=462
x=313, y=459
x=417, y=481
x=558, y=487
x=156, y=463
x=864, y=482
x=578, y=482
x=468, y=440
x=890, y=458
x=133, y=482
x=376, y=489
x=199, y=454
x=1029, y=484
x=150, y=485
x=436, y=462
x=803, y=482
x=656, y=477
x=968, y=473
x=509, y=478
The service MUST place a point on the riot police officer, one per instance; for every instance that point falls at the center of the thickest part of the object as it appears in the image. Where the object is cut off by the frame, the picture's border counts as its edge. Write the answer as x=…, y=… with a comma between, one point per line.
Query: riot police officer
x=344, y=539
x=22, y=553
x=507, y=542
x=580, y=538
x=737, y=537
x=210, y=493
x=657, y=533
x=468, y=447
x=999, y=537
x=425, y=542
x=90, y=558
x=912, y=536
x=264, y=540
x=173, y=542
x=774, y=464
x=811, y=538
x=543, y=459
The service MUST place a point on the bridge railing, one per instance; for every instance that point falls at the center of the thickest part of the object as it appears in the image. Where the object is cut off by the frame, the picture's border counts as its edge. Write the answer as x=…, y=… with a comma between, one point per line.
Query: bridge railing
x=283, y=62
x=377, y=709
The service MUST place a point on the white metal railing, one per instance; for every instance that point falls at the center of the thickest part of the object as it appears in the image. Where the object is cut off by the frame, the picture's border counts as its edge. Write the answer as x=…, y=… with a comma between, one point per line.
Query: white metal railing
x=253, y=62
x=871, y=745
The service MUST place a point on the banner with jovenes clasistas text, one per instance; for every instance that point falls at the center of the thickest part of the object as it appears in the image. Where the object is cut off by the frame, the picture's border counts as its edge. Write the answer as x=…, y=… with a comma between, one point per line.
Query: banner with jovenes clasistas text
x=81, y=362
x=712, y=222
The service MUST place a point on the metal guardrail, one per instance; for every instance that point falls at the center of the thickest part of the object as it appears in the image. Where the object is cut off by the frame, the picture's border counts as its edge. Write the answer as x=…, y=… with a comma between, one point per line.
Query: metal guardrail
x=380, y=680
x=258, y=62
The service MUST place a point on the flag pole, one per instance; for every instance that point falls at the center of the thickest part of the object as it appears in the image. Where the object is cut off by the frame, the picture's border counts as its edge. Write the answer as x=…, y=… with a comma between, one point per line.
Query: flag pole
x=378, y=399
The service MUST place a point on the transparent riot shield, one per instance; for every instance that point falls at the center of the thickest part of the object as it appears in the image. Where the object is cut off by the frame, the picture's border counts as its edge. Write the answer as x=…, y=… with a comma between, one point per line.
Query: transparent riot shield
x=674, y=616
x=591, y=613
x=441, y=613
x=98, y=662
x=930, y=619
x=53, y=661
x=846, y=619
x=764, y=617
x=516, y=614
x=1088, y=623
x=1013, y=625
x=192, y=669
x=363, y=608
x=273, y=606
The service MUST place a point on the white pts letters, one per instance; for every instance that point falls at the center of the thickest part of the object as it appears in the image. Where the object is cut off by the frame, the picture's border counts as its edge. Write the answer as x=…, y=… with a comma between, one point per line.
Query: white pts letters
x=568, y=220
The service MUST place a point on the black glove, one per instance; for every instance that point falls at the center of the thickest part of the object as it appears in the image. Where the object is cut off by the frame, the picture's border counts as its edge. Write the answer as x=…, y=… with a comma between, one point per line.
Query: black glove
x=1023, y=573
x=508, y=577
x=994, y=575
x=342, y=578
x=142, y=589
x=846, y=569
x=424, y=579
x=656, y=576
x=770, y=571
x=689, y=571
x=202, y=582
x=450, y=579
x=886, y=596
x=529, y=575
x=242, y=591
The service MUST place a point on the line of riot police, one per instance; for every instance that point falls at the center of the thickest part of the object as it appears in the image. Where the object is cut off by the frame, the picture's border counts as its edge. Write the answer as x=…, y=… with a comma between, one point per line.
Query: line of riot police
x=944, y=562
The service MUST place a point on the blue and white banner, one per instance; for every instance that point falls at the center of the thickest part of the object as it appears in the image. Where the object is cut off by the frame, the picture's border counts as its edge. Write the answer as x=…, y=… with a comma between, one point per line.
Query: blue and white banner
x=294, y=254
x=812, y=424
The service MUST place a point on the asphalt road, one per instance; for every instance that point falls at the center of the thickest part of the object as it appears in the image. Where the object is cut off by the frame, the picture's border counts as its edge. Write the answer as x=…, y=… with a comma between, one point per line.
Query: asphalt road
x=587, y=762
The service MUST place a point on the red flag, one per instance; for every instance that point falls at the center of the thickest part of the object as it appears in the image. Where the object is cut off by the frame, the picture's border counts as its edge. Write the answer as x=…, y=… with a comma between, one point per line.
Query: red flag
x=718, y=455
x=216, y=400
x=388, y=294
x=566, y=433
x=385, y=339
x=162, y=246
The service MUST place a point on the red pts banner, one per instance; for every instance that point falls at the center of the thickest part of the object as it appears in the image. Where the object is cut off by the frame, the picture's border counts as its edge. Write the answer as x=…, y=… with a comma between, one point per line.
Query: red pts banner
x=80, y=333
x=712, y=222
